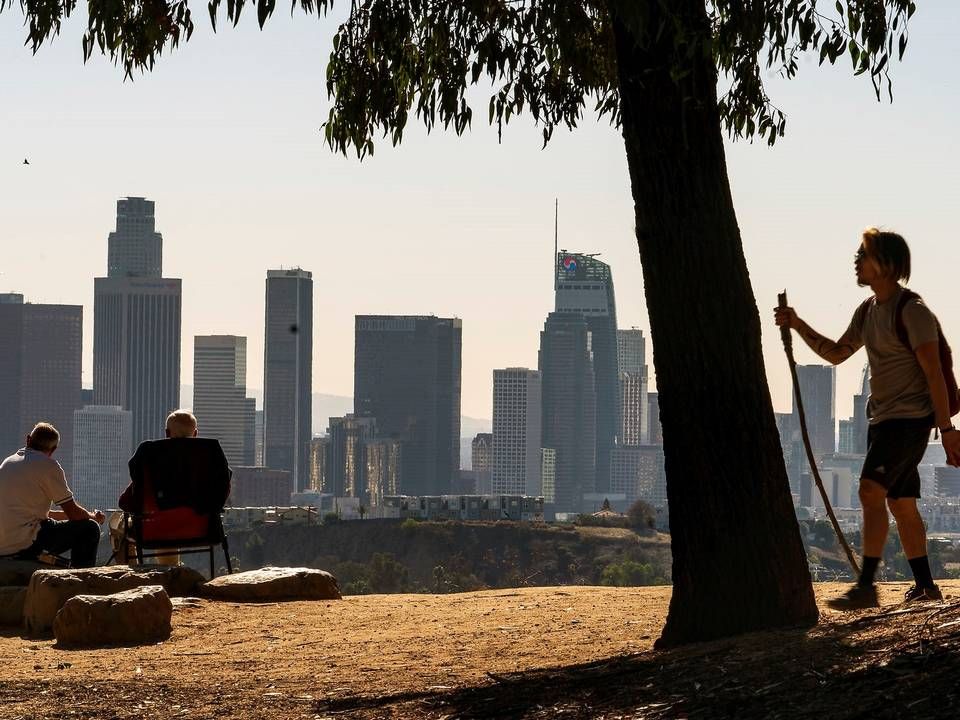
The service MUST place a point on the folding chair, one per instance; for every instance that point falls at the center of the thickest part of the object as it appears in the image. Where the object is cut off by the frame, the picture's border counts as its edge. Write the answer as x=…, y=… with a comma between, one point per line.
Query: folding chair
x=178, y=487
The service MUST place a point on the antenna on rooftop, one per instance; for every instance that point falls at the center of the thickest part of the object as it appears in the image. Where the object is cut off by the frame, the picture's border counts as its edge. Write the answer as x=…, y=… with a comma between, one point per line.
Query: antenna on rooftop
x=556, y=214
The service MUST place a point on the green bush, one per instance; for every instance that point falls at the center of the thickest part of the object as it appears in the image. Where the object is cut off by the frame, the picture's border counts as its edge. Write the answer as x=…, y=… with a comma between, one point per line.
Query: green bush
x=409, y=524
x=630, y=573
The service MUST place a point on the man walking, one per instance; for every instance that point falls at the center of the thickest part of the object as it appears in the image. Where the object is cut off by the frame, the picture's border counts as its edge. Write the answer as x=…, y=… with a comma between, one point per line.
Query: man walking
x=908, y=397
x=30, y=481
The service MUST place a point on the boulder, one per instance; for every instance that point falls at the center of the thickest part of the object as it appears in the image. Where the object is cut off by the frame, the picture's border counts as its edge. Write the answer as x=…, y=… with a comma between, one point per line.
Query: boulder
x=271, y=584
x=132, y=617
x=11, y=605
x=18, y=572
x=50, y=589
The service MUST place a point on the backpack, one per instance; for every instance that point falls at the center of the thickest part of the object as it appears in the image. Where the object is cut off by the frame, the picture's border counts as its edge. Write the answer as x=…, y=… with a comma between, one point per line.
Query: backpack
x=946, y=355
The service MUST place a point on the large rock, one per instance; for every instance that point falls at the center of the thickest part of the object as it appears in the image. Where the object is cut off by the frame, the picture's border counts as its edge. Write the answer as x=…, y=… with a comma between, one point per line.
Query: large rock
x=50, y=589
x=18, y=572
x=11, y=605
x=131, y=617
x=271, y=584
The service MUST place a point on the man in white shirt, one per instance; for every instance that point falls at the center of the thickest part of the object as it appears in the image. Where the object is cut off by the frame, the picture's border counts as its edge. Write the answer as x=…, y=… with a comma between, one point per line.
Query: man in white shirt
x=30, y=481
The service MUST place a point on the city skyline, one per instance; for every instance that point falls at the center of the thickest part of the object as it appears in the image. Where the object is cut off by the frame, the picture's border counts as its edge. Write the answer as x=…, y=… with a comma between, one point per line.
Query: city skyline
x=286, y=200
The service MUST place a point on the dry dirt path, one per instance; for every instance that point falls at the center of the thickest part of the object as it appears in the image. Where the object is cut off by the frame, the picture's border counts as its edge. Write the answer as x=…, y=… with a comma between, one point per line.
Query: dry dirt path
x=301, y=660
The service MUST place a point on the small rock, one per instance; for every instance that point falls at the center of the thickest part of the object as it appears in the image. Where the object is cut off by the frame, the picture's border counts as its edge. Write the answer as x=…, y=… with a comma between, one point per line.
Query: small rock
x=11, y=605
x=132, y=617
x=271, y=584
x=50, y=589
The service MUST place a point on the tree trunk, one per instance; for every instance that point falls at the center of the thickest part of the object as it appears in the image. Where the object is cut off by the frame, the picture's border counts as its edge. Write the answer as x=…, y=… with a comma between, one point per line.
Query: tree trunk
x=738, y=562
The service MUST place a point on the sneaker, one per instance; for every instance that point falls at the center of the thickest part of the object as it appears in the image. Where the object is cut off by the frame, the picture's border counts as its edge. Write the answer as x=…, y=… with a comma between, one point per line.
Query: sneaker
x=920, y=594
x=856, y=598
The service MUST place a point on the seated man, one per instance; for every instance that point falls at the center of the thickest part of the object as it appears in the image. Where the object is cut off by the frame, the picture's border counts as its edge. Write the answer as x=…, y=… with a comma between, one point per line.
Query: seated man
x=180, y=482
x=30, y=480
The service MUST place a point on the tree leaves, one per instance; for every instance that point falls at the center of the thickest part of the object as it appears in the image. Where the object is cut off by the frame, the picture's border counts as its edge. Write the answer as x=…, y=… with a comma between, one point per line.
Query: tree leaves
x=548, y=58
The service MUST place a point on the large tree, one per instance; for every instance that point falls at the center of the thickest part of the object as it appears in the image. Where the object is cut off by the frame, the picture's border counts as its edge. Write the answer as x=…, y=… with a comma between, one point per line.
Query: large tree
x=673, y=75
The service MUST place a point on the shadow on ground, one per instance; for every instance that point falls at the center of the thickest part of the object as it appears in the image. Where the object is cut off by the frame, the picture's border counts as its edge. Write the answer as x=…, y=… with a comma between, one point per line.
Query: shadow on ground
x=880, y=665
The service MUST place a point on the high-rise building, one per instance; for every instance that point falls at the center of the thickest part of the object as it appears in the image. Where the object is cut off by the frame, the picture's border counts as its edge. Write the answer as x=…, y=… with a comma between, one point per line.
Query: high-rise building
x=637, y=472
x=860, y=413
x=481, y=461
x=383, y=460
x=346, y=469
x=584, y=285
x=516, y=432
x=548, y=475
x=101, y=451
x=260, y=487
x=136, y=324
x=407, y=376
x=631, y=363
x=39, y=372
x=846, y=444
x=288, y=373
x=135, y=249
x=220, y=400
x=818, y=386
x=569, y=407
x=319, y=462
x=258, y=438
x=654, y=428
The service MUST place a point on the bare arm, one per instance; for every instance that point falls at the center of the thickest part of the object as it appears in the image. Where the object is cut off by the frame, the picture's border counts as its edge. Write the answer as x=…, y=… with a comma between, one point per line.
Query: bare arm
x=833, y=352
x=928, y=355
x=72, y=510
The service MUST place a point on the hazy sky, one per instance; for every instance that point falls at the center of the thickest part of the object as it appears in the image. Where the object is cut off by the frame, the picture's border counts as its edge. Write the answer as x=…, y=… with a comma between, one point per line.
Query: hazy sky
x=224, y=136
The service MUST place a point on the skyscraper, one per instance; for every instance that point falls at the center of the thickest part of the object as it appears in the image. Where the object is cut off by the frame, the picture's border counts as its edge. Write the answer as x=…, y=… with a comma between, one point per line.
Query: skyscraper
x=288, y=373
x=860, y=413
x=407, y=376
x=516, y=432
x=481, y=460
x=220, y=400
x=654, y=427
x=584, y=285
x=101, y=451
x=135, y=249
x=346, y=472
x=39, y=372
x=818, y=386
x=631, y=362
x=136, y=325
x=568, y=407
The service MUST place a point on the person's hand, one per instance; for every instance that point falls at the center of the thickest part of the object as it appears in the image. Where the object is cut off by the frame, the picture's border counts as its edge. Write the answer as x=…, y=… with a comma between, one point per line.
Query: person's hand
x=786, y=317
x=99, y=516
x=951, y=445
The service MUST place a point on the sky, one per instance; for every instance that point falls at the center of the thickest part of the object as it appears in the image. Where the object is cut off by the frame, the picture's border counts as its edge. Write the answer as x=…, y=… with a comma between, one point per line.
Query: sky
x=224, y=135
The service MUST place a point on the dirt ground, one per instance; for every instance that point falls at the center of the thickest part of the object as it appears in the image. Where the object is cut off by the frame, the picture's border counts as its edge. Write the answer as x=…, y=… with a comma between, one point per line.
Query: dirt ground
x=532, y=652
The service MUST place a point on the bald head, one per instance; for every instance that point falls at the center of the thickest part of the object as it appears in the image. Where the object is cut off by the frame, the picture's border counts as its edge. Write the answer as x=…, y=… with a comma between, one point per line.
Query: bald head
x=181, y=424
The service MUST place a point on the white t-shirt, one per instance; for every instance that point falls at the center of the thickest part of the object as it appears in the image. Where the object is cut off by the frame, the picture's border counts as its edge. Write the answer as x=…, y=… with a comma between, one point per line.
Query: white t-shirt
x=29, y=482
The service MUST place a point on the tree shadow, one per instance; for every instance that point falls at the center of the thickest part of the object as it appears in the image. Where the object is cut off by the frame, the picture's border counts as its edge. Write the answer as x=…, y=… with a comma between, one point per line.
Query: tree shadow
x=875, y=665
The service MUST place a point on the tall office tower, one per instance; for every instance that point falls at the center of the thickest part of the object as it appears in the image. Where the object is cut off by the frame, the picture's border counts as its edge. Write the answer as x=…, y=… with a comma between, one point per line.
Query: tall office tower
x=407, y=376
x=654, y=428
x=637, y=472
x=818, y=386
x=584, y=285
x=846, y=441
x=347, y=467
x=516, y=432
x=39, y=372
x=288, y=373
x=548, y=475
x=631, y=363
x=569, y=407
x=136, y=325
x=860, y=423
x=258, y=438
x=481, y=460
x=220, y=400
x=319, y=462
x=101, y=451
x=135, y=249
x=260, y=487
x=383, y=468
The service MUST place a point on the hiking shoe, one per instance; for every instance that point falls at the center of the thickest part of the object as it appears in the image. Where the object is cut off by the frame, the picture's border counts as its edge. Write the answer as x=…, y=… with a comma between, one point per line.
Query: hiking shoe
x=856, y=598
x=920, y=594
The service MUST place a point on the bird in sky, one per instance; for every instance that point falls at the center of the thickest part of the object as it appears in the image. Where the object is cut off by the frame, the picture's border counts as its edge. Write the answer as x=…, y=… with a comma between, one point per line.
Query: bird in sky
x=26, y=162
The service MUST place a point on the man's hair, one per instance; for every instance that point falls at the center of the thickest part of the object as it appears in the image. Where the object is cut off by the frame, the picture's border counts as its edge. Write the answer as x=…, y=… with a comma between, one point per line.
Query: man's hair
x=890, y=251
x=43, y=438
x=181, y=424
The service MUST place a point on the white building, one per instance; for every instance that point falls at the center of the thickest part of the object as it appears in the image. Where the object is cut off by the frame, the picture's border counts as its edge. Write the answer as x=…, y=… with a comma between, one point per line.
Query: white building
x=101, y=450
x=220, y=403
x=516, y=432
x=632, y=368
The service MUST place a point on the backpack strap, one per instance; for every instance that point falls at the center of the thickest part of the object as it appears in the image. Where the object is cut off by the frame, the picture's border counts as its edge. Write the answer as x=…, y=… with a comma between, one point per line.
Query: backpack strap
x=901, y=327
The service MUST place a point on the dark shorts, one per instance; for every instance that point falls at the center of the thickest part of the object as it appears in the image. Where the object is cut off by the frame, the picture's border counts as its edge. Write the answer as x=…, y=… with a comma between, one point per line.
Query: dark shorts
x=894, y=449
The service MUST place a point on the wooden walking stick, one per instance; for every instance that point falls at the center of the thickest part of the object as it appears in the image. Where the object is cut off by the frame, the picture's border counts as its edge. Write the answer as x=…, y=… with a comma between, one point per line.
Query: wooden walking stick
x=787, y=338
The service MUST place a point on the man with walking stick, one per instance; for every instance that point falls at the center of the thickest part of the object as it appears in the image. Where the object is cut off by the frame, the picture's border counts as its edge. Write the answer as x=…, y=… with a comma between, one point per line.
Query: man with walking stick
x=911, y=391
